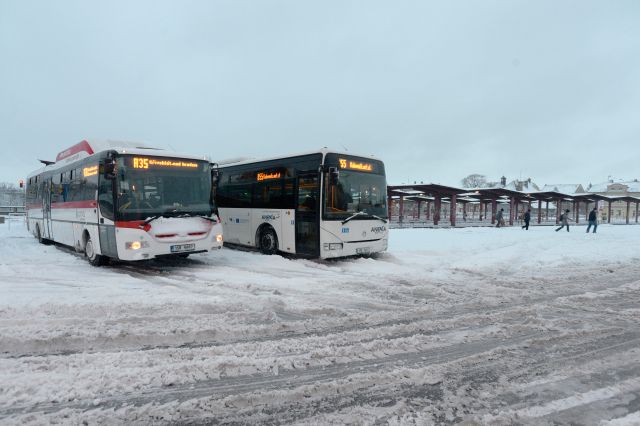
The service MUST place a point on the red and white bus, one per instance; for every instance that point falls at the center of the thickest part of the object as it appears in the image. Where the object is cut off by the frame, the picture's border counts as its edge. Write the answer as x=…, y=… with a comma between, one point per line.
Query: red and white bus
x=124, y=200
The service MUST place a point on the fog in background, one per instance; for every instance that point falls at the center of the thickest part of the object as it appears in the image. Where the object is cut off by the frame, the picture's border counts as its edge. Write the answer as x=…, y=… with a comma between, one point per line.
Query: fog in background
x=438, y=90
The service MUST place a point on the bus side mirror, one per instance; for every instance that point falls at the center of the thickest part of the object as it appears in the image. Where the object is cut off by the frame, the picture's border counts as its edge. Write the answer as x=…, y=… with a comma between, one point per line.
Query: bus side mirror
x=334, y=174
x=109, y=169
x=215, y=175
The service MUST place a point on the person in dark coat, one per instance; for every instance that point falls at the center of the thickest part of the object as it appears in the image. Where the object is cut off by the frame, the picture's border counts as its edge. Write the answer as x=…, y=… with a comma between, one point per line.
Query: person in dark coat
x=593, y=220
x=500, y=218
x=564, y=220
x=527, y=219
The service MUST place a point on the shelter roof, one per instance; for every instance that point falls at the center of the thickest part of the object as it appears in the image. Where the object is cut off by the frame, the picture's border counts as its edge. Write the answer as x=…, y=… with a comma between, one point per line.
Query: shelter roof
x=625, y=198
x=491, y=193
x=565, y=188
x=549, y=195
x=424, y=188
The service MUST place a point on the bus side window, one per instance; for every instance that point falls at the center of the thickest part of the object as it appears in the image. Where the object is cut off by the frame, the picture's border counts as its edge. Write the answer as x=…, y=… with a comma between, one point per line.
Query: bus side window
x=307, y=193
x=105, y=198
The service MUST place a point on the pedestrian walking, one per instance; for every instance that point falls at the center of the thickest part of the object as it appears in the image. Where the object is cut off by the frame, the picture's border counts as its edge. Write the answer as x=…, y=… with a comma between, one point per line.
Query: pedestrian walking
x=527, y=219
x=500, y=218
x=564, y=220
x=593, y=220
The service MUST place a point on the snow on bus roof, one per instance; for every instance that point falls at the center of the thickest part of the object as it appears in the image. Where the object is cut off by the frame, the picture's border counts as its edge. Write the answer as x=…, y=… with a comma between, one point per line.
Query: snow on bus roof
x=248, y=160
x=88, y=147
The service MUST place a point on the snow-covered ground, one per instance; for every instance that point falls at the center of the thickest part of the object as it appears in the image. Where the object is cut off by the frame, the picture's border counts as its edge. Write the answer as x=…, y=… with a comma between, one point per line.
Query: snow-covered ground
x=476, y=325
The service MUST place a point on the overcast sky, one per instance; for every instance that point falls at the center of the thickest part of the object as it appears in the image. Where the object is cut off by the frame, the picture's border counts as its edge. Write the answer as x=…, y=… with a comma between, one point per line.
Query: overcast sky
x=438, y=90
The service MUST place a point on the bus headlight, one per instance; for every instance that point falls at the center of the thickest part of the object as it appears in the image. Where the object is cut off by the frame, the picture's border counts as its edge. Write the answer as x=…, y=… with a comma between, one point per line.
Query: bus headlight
x=332, y=246
x=135, y=245
x=219, y=238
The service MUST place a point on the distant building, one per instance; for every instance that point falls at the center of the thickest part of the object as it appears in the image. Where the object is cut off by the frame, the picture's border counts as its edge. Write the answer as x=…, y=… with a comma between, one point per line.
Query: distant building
x=522, y=185
x=617, y=188
x=515, y=185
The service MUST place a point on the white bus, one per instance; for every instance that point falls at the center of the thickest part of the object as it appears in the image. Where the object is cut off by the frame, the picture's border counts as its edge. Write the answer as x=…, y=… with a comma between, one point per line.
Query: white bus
x=123, y=200
x=318, y=205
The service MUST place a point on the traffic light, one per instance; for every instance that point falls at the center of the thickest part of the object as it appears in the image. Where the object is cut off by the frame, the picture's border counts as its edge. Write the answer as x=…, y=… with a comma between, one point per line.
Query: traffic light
x=21, y=183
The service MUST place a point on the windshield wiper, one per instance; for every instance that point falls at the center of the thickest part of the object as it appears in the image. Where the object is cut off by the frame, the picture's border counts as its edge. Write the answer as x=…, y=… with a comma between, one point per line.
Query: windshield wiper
x=361, y=213
x=188, y=214
x=152, y=218
x=379, y=218
x=166, y=213
x=356, y=214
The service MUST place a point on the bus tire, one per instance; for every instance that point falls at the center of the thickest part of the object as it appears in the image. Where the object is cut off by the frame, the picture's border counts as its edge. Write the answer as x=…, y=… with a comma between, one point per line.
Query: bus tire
x=268, y=240
x=39, y=236
x=94, y=258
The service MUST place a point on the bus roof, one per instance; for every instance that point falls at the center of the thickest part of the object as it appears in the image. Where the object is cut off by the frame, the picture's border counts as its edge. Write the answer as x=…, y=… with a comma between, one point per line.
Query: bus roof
x=324, y=151
x=88, y=147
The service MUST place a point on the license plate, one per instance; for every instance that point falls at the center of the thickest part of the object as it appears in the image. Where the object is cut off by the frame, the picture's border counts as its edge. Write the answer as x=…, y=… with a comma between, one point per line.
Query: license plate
x=363, y=250
x=182, y=247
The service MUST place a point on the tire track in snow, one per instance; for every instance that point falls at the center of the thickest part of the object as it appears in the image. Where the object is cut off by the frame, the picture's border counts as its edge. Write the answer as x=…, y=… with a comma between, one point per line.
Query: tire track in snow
x=357, y=322
x=293, y=380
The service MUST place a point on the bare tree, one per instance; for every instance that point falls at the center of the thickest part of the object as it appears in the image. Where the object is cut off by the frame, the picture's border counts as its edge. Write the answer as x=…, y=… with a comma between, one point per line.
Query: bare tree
x=474, y=181
x=7, y=185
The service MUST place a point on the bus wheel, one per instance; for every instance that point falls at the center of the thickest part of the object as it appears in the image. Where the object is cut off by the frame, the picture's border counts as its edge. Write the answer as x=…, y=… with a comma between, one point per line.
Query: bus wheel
x=268, y=240
x=39, y=236
x=94, y=258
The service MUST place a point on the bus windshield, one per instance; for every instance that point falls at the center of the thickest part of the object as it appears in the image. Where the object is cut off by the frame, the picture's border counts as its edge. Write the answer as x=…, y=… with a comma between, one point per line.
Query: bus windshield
x=162, y=186
x=355, y=192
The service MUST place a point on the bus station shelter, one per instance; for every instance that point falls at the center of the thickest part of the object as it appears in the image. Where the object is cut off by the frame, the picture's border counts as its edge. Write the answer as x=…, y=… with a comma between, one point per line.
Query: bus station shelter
x=489, y=199
x=628, y=200
x=427, y=193
x=439, y=194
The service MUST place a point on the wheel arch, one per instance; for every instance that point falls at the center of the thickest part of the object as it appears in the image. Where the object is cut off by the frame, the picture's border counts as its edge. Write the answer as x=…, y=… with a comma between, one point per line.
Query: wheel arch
x=264, y=226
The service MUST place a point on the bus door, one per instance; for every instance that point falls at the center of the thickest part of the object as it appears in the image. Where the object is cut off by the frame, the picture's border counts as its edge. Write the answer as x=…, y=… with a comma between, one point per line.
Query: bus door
x=46, y=208
x=308, y=215
x=106, y=217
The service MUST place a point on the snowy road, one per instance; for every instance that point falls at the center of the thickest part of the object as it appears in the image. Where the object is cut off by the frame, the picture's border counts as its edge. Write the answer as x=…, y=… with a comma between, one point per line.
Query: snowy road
x=483, y=326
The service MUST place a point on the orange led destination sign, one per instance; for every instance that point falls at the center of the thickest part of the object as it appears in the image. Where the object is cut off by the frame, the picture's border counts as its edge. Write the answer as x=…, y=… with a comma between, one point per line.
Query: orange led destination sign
x=265, y=176
x=355, y=165
x=90, y=171
x=145, y=163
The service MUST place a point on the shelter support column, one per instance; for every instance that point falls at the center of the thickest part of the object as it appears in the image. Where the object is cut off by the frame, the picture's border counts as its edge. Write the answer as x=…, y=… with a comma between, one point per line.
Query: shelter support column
x=546, y=217
x=539, y=212
x=437, y=204
x=576, y=208
x=637, y=205
x=513, y=210
x=609, y=213
x=628, y=210
x=494, y=207
x=480, y=210
x=401, y=209
x=453, y=209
